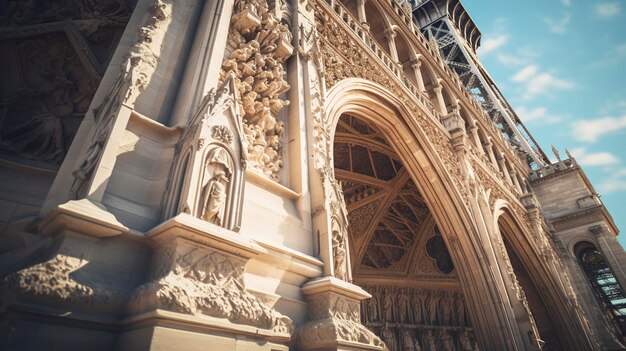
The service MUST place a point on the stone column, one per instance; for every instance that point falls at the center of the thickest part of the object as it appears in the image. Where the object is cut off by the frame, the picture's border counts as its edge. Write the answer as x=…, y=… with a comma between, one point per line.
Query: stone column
x=489, y=147
x=391, y=39
x=504, y=168
x=475, y=138
x=361, y=13
x=416, y=64
x=439, y=92
x=515, y=181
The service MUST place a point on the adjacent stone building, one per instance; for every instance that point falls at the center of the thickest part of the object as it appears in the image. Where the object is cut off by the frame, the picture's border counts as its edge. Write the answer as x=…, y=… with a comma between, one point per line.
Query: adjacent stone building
x=284, y=175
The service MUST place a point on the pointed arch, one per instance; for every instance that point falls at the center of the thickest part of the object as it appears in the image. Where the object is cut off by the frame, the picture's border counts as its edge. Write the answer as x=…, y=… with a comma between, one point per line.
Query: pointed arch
x=545, y=292
x=375, y=104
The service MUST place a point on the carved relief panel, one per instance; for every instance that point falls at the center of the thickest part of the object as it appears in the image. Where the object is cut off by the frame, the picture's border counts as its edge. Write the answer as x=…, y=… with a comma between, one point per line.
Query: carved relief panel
x=53, y=57
x=207, y=177
x=418, y=319
x=260, y=39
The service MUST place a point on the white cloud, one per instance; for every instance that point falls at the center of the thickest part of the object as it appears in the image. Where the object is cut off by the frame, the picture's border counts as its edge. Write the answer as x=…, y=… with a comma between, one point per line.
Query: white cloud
x=525, y=73
x=612, y=185
x=493, y=43
x=607, y=9
x=537, y=82
x=620, y=49
x=536, y=114
x=590, y=159
x=615, y=183
x=558, y=26
x=590, y=130
x=566, y=2
x=511, y=60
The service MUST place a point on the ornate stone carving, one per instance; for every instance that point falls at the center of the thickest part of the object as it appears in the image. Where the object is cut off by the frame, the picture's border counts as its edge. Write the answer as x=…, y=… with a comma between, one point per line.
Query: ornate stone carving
x=335, y=320
x=344, y=58
x=134, y=77
x=210, y=162
x=262, y=45
x=222, y=134
x=338, y=221
x=54, y=59
x=195, y=279
x=61, y=281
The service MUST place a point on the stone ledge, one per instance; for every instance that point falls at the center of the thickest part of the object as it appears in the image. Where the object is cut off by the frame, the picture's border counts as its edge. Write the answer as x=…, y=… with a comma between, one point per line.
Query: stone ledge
x=197, y=230
x=185, y=321
x=332, y=284
x=82, y=216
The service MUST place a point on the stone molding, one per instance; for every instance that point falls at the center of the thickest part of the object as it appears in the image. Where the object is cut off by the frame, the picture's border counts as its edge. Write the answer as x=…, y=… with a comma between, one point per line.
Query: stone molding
x=334, y=311
x=197, y=269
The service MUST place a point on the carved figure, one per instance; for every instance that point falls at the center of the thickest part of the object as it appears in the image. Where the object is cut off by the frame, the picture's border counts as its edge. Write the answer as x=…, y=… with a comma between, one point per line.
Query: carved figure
x=429, y=343
x=264, y=43
x=416, y=344
x=465, y=342
x=215, y=198
x=445, y=304
x=339, y=255
x=407, y=341
x=387, y=310
x=372, y=308
x=431, y=308
x=446, y=342
x=389, y=338
x=416, y=304
x=403, y=307
x=459, y=307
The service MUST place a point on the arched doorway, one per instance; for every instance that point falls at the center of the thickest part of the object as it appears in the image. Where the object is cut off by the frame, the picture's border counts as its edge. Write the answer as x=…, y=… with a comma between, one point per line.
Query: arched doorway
x=528, y=288
x=398, y=253
x=405, y=134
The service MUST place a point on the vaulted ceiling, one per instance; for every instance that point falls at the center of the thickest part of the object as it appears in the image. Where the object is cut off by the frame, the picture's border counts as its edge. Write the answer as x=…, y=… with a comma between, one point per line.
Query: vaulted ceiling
x=390, y=223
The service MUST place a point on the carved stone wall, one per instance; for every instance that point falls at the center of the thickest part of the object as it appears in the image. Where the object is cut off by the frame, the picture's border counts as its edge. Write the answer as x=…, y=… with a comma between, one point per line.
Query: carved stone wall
x=261, y=38
x=418, y=319
x=194, y=279
x=53, y=57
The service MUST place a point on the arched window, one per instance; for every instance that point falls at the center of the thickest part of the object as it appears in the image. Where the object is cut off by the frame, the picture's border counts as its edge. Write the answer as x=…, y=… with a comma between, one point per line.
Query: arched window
x=604, y=283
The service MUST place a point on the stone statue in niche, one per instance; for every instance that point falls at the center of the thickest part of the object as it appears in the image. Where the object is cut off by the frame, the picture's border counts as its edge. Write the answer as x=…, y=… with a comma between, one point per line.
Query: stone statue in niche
x=215, y=191
x=446, y=342
x=445, y=304
x=416, y=303
x=459, y=307
x=339, y=253
x=387, y=308
x=215, y=198
x=207, y=176
x=407, y=340
x=431, y=308
x=465, y=342
x=429, y=343
x=389, y=338
x=403, y=307
x=372, y=307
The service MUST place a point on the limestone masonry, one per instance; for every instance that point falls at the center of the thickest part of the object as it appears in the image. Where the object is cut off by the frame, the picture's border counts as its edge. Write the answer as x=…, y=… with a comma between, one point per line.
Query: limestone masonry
x=284, y=175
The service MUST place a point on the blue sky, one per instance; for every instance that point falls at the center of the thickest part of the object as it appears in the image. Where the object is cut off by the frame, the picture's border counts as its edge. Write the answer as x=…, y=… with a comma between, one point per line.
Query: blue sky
x=562, y=66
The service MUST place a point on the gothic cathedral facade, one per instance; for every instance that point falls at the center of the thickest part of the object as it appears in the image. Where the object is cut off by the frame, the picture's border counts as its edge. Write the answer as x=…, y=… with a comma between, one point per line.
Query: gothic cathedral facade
x=284, y=175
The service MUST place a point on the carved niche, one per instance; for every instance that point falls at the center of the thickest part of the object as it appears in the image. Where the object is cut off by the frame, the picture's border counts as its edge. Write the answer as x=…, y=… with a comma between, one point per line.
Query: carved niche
x=338, y=223
x=208, y=172
x=53, y=57
x=261, y=41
